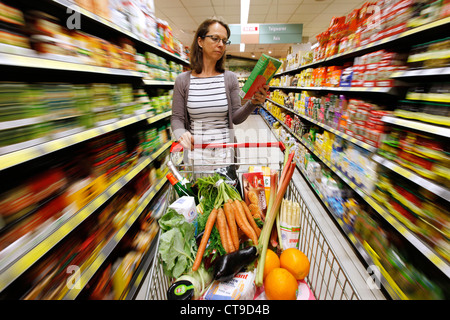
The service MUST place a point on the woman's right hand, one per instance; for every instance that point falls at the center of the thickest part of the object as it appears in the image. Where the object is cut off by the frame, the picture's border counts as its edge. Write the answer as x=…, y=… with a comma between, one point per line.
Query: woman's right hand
x=187, y=141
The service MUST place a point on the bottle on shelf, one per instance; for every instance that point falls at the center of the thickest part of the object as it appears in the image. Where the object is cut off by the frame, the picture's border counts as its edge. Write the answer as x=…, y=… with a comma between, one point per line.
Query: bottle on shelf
x=180, y=189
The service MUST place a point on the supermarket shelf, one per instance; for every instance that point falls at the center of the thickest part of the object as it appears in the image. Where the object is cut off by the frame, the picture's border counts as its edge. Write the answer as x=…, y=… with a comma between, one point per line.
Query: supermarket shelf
x=421, y=73
x=139, y=276
x=416, y=125
x=144, y=267
x=158, y=83
x=390, y=286
x=37, y=62
x=17, y=157
x=430, y=254
x=70, y=5
x=438, y=190
x=383, y=43
x=381, y=90
x=330, y=129
x=11, y=267
x=108, y=248
x=429, y=97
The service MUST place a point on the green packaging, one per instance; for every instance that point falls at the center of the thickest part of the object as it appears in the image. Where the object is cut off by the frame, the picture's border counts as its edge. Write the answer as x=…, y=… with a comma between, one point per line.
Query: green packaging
x=262, y=73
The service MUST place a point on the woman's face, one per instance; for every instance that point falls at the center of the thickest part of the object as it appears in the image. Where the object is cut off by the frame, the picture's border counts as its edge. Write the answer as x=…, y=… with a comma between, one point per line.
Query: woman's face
x=210, y=47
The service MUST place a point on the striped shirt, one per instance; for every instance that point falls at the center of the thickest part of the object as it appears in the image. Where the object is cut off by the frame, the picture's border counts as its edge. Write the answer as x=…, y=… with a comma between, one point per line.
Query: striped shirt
x=208, y=110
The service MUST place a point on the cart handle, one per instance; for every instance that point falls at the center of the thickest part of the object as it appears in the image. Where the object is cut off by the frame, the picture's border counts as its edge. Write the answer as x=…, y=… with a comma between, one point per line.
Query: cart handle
x=177, y=147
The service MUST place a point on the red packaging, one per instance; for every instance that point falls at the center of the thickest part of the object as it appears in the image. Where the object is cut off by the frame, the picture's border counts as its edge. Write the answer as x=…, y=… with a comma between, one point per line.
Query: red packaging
x=254, y=190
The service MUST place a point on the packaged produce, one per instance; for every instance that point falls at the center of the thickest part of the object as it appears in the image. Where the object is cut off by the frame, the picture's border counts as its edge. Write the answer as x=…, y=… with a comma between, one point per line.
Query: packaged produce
x=254, y=192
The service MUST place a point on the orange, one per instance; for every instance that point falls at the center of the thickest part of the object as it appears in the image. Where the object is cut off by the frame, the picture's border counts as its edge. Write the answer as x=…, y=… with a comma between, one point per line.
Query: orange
x=272, y=262
x=280, y=284
x=296, y=262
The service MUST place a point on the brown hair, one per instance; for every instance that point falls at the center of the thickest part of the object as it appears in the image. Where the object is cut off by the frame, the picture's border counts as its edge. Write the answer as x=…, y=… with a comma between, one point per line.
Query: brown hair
x=196, y=53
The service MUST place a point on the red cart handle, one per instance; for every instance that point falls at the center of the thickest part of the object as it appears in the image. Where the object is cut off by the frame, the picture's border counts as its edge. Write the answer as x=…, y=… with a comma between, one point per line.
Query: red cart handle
x=177, y=147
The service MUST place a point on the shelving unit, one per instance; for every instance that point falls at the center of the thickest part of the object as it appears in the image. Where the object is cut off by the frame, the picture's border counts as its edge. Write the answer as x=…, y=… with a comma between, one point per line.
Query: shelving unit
x=369, y=257
x=399, y=223
x=328, y=128
x=385, y=90
x=404, y=38
x=419, y=126
x=394, y=221
x=18, y=260
x=91, y=268
x=104, y=23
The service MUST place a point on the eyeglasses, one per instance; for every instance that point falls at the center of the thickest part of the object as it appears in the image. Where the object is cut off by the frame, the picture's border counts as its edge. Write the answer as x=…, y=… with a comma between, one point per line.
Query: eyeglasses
x=216, y=39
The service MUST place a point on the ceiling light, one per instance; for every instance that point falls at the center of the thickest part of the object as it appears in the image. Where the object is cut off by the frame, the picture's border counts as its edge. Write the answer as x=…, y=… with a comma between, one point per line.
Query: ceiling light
x=242, y=47
x=245, y=8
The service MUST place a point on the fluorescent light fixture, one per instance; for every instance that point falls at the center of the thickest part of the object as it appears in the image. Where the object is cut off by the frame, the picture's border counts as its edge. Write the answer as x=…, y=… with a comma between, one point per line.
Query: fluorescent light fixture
x=242, y=47
x=245, y=8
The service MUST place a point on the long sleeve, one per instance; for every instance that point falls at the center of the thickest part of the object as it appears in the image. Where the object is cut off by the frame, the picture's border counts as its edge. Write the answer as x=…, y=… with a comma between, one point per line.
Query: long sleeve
x=239, y=113
x=178, y=118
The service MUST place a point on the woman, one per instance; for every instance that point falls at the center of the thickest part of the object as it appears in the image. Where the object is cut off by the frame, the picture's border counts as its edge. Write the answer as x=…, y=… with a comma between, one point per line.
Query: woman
x=206, y=102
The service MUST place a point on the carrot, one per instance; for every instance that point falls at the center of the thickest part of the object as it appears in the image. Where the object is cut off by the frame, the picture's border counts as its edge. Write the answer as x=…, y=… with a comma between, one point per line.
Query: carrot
x=229, y=213
x=221, y=226
x=242, y=222
x=250, y=217
x=201, y=248
x=230, y=241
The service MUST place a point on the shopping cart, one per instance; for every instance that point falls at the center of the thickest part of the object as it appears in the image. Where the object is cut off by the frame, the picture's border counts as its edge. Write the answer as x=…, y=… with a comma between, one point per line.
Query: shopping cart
x=327, y=279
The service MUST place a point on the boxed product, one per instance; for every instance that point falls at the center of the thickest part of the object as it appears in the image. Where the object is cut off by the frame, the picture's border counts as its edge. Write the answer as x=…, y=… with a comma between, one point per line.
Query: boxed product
x=254, y=191
x=262, y=73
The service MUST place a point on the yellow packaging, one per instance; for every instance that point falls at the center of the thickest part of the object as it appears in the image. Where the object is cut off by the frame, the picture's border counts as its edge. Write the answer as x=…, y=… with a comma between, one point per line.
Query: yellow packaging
x=87, y=193
x=266, y=174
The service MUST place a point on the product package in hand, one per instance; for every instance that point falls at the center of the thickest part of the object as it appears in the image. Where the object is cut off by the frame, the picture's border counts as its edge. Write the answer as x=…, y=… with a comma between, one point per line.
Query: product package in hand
x=262, y=73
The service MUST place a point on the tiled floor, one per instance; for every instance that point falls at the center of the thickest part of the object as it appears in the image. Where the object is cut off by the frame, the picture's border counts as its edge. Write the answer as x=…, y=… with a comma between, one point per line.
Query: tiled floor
x=254, y=129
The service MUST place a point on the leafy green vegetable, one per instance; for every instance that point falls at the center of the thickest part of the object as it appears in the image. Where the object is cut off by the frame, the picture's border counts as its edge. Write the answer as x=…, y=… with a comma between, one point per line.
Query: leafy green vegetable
x=177, y=246
x=215, y=247
x=213, y=192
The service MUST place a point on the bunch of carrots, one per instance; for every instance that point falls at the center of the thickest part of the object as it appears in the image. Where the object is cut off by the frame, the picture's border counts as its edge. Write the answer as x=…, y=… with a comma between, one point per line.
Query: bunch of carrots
x=229, y=213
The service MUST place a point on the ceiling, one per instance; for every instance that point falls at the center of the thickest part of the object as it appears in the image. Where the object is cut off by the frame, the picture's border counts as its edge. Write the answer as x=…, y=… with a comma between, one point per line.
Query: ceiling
x=184, y=16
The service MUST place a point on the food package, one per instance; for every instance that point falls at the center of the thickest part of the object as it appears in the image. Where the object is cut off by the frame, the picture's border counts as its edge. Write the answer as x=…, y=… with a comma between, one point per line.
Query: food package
x=289, y=224
x=266, y=174
x=262, y=73
x=254, y=193
x=241, y=287
x=185, y=206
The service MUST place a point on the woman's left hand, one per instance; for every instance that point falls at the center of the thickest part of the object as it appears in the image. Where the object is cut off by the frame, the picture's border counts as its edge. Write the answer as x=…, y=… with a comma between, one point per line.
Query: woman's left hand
x=260, y=96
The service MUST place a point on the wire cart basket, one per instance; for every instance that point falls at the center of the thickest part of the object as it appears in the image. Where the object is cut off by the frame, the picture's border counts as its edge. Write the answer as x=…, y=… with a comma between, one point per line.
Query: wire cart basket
x=327, y=279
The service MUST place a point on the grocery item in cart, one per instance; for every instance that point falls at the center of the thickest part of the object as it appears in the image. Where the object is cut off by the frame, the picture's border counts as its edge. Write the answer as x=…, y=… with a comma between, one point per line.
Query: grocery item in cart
x=254, y=191
x=240, y=287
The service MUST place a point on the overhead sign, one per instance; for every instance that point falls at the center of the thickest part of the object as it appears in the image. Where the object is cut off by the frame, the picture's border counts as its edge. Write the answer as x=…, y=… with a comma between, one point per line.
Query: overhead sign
x=266, y=33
